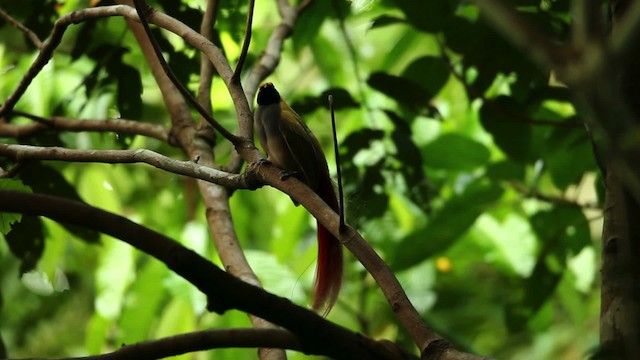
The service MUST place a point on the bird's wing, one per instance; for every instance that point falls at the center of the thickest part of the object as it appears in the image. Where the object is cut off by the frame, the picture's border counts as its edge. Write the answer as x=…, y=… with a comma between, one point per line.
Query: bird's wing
x=302, y=144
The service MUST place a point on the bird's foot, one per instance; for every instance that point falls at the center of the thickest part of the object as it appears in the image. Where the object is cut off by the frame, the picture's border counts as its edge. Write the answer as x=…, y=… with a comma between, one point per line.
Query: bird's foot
x=285, y=174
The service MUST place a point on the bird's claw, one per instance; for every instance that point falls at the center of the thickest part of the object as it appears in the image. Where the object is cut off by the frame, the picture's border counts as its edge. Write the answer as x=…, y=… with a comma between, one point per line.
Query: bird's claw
x=285, y=174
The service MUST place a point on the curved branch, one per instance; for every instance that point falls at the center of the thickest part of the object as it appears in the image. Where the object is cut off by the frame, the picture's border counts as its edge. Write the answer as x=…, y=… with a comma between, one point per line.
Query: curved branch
x=224, y=291
x=189, y=168
x=201, y=340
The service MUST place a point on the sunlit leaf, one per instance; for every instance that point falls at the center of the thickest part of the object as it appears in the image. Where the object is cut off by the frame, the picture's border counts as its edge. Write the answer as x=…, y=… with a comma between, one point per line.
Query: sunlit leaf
x=48, y=180
x=429, y=72
x=412, y=95
x=446, y=225
x=454, y=152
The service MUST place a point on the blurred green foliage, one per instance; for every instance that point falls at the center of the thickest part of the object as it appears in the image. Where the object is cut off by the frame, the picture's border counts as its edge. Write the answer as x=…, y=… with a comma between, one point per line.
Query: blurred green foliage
x=462, y=167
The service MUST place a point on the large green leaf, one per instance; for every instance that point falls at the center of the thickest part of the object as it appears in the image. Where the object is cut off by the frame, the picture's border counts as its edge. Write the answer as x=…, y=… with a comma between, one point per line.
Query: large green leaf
x=536, y=291
x=430, y=72
x=342, y=99
x=6, y=219
x=406, y=92
x=429, y=16
x=129, y=91
x=502, y=119
x=446, y=225
x=48, y=180
x=455, y=152
x=564, y=230
x=26, y=241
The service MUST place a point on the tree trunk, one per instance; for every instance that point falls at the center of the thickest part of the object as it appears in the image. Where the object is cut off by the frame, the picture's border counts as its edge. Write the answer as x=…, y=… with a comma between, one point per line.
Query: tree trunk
x=620, y=308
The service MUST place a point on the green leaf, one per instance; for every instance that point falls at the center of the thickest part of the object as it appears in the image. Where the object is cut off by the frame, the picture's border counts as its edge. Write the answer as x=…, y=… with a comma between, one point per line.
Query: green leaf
x=430, y=72
x=412, y=169
x=129, y=91
x=455, y=152
x=537, y=290
x=429, y=16
x=564, y=230
x=560, y=156
x=6, y=219
x=505, y=170
x=342, y=99
x=385, y=20
x=311, y=20
x=406, y=92
x=26, y=241
x=140, y=309
x=48, y=180
x=114, y=273
x=446, y=225
x=513, y=136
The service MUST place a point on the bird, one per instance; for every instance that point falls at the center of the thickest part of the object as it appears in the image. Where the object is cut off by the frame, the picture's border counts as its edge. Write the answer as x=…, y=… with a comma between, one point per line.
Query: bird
x=290, y=145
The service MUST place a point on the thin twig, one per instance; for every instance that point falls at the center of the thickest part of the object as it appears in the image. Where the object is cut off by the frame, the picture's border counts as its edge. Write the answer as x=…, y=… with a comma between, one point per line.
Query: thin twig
x=11, y=172
x=245, y=43
x=532, y=193
x=144, y=10
x=122, y=126
x=189, y=168
x=18, y=25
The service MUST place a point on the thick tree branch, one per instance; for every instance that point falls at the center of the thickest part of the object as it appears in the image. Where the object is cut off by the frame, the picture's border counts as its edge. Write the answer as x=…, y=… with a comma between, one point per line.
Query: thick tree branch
x=189, y=168
x=122, y=126
x=199, y=341
x=224, y=292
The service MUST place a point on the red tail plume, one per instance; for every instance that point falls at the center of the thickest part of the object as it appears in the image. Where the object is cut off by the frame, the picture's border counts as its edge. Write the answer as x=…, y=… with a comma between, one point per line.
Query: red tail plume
x=330, y=264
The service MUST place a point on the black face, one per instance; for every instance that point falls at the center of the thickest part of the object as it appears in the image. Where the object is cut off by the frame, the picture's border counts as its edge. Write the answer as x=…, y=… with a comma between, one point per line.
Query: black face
x=268, y=95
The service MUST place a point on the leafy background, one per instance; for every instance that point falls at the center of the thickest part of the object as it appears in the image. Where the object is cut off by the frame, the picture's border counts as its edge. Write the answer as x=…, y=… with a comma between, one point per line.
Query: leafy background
x=464, y=165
